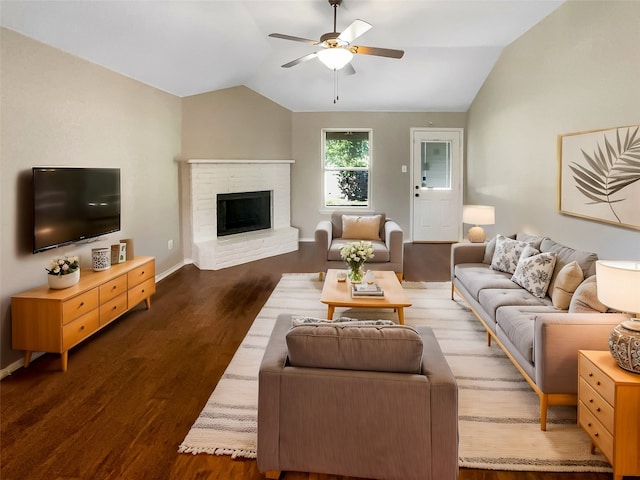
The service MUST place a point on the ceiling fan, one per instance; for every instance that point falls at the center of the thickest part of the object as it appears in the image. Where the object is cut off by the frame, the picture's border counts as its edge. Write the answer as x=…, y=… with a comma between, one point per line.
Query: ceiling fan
x=337, y=50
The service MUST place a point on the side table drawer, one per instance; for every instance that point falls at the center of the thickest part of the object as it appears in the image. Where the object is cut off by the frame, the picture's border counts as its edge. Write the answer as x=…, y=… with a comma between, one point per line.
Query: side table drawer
x=600, y=436
x=141, y=274
x=112, y=289
x=602, y=384
x=113, y=309
x=141, y=292
x=79, y=329
x=80, y=305
x=597, y=405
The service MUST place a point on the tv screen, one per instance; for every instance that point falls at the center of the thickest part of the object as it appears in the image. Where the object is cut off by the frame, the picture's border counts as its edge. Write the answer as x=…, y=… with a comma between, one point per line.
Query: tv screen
x=74, y=204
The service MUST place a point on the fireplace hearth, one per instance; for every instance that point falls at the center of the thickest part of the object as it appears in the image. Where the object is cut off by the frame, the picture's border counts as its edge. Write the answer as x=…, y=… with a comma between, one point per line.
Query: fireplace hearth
x=240, y=211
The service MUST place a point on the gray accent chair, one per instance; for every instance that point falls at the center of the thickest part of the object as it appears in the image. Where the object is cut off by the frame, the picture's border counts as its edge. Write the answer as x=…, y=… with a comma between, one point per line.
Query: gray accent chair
x=388, y=250
x=374, y=401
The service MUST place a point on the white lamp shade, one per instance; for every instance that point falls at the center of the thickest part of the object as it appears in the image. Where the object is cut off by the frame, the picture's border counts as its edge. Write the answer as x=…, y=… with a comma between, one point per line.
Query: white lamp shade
x=619, y=284
x=335, y=58
x=478, y=214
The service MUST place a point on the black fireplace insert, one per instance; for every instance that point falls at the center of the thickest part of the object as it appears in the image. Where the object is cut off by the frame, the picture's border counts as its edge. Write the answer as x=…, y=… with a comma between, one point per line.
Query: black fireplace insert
x=243, y=212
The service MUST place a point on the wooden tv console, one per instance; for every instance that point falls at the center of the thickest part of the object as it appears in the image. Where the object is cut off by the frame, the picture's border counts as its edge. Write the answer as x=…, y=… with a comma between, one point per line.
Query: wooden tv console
x=47, y=320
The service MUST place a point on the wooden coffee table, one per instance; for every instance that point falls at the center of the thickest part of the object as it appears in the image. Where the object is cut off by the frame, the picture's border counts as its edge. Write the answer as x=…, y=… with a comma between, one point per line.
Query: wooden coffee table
x=338, y=294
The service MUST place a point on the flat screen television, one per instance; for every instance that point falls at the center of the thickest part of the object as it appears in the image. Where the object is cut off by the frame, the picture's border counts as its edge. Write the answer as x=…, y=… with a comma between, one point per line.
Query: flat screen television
x=72, y=204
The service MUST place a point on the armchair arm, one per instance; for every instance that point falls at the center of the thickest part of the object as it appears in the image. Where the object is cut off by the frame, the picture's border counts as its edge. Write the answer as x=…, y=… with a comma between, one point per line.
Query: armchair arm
x=323, y=238
x=394, y=241
x=557, y=339
x=466, y=253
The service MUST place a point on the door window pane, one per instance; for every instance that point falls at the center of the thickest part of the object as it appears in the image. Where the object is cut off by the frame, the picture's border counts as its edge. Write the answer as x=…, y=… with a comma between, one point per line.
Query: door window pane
x=436, y=165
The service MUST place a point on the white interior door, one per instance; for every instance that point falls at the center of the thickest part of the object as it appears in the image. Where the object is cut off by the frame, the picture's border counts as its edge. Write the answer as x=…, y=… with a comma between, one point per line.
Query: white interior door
x=436, y=173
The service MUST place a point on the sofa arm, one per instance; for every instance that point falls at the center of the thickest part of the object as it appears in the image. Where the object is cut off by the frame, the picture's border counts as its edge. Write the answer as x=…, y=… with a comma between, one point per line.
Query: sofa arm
x=557, y=339
x=323, y=238
x=466, y=253
x=269, y=377
x=394, y=241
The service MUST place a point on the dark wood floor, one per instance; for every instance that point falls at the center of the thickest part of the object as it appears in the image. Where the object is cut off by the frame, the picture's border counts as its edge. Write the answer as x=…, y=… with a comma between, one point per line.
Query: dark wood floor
x=133, y=390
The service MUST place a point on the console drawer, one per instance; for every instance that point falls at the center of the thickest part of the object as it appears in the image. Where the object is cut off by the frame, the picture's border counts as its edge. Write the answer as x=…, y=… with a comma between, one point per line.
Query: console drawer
x=601, y=383
x=80, y=305
x=112, y=289
x=79, y=329
x=141, y=274
x=598, y=433
x=113, y=309
x=597, y=405
x=141, y=292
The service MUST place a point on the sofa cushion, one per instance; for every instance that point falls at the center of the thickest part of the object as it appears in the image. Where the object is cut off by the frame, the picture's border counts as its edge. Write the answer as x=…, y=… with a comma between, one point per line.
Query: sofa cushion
x=586, y=260
x=380, y=250
x=507, y=254
x=585, y=298
x=396, y=348
x=361, y=227
x=492, y=299
x=477, y=276
x=533, y=272
x=568, y=279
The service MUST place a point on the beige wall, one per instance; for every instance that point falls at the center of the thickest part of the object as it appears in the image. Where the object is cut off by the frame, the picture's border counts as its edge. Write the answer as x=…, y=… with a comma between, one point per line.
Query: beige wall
x=234, y=123
x=60, y=110
x=391, y=189
x=577, y=70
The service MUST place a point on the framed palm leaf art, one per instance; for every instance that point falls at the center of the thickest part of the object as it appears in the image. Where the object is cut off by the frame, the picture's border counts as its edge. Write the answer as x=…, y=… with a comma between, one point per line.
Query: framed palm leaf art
x=599, y=175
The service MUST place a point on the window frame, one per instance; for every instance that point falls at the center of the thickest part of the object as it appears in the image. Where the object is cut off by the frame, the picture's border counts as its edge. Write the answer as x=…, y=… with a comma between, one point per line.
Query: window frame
x=323, y=200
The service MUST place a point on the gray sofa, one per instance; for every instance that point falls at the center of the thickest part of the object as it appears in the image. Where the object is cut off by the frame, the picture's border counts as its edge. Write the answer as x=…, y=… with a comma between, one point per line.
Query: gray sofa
x=388, y=246
x=540, y=332
x=360, y=401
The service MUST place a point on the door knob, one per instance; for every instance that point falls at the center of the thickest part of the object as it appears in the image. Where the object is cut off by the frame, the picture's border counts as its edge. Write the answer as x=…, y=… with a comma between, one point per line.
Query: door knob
x=417, y=194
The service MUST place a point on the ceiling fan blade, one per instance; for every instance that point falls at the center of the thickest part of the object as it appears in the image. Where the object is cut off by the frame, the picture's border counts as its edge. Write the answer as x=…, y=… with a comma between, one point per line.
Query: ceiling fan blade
x=353, y=31
x=295, y=39
x=300, y=60
x=380, y=52
x=348, y=69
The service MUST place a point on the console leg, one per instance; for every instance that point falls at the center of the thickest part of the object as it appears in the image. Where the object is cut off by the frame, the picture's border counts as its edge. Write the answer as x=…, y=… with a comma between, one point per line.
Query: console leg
x=64, y=358
x=27, y=358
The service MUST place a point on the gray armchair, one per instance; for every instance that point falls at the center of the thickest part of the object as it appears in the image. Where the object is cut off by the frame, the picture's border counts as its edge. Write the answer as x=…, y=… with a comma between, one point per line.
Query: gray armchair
x=362, y=401
x=388, y=247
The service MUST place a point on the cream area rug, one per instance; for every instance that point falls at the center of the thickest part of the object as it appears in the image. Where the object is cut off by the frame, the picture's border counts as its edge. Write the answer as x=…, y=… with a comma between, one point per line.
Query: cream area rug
x=498, y=411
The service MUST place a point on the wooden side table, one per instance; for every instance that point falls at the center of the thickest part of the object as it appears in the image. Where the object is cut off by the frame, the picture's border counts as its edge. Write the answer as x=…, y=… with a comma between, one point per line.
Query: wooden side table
x=609, y=410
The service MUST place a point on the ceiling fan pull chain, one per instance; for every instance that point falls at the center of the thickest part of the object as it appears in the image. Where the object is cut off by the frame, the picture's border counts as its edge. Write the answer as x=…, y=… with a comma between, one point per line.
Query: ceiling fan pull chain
x=335, y=86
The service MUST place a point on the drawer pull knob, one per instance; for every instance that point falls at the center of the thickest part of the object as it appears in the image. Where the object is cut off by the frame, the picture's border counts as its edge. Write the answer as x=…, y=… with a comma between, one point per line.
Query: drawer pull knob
x=115, y=307
x=142, y=290
x=142, y=273
x=82, y=304
x=591, y=400
x=82, y=327
x=589, y=424
x=597, y=409
x=591, y=374
x=596, y=434
x=114, y=287
x=598, y=383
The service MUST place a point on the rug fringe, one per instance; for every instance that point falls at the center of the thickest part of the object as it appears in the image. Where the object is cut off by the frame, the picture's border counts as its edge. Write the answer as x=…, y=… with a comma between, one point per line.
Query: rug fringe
x=217, y=451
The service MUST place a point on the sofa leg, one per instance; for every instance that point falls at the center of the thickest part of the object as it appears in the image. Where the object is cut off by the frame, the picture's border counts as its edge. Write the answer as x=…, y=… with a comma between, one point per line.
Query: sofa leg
x=321, y=276
x=452, y=290
x=488, y=339
x=544, y=404
x=273, y=474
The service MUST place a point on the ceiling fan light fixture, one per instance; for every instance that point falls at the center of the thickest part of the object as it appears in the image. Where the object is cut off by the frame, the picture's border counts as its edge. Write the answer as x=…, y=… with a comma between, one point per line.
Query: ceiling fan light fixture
x=335, y=58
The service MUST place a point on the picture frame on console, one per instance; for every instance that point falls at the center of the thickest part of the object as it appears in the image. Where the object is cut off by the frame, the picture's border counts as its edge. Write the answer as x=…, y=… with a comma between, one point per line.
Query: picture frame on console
x=599, y=173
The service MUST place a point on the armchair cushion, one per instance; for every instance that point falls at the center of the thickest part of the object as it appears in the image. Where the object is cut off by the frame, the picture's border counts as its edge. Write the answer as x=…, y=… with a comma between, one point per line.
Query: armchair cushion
x=379, y=348
x=358, y=227
x=336, y=224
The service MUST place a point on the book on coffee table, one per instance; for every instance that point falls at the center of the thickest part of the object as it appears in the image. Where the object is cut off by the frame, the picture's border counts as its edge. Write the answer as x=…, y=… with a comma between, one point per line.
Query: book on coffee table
x=367, y=290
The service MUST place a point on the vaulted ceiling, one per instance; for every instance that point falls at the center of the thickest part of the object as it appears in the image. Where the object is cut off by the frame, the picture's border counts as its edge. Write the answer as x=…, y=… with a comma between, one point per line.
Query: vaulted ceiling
x=189, y=47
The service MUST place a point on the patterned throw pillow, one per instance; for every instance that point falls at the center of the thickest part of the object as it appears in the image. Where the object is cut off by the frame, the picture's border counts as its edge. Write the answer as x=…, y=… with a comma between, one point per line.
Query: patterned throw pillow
x=507, y=254
x=533, y=272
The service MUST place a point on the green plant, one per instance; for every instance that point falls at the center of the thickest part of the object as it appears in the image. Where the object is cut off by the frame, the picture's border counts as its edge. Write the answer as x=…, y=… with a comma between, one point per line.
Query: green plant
x=611, y=167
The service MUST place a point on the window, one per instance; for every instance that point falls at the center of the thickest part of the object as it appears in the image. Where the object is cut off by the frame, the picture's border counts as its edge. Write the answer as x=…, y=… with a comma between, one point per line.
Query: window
x=346, y=161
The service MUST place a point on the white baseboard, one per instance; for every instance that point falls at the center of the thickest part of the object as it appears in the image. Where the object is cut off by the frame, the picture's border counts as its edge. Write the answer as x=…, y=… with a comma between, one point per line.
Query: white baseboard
x=8, y=370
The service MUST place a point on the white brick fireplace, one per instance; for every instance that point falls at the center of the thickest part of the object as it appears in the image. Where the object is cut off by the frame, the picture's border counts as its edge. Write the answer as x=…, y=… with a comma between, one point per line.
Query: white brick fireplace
x=208, y=178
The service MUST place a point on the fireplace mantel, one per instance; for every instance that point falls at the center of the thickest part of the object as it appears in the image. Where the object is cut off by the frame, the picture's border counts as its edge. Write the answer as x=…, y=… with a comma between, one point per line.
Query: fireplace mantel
x=210, y=177
x=209, y=160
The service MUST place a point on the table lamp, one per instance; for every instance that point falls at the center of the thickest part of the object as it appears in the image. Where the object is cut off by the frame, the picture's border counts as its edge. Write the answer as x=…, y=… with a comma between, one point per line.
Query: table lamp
x=478, y=215
x=618, y=284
